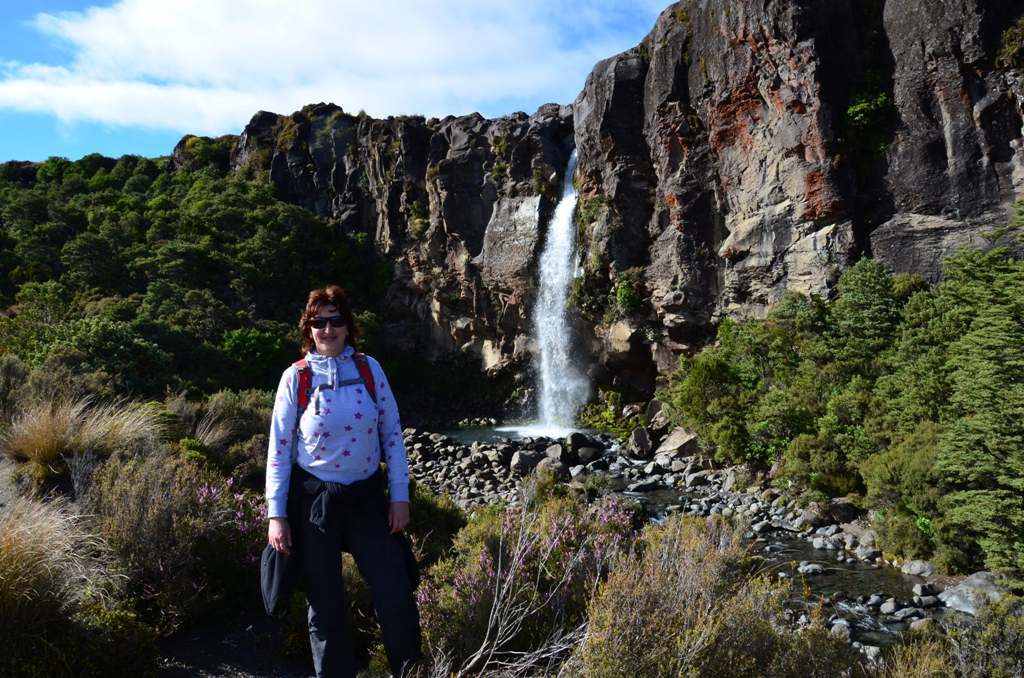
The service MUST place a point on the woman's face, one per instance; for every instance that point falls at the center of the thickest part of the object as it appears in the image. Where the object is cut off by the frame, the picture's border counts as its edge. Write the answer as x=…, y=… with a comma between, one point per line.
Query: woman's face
x=329, y=340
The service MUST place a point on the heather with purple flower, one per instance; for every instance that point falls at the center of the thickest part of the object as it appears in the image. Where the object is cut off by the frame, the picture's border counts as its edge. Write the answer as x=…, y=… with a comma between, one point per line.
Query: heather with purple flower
x=519, y=576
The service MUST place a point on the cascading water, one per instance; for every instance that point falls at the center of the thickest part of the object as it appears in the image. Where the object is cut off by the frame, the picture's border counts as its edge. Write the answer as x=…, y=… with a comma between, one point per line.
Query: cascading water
x=562, y=388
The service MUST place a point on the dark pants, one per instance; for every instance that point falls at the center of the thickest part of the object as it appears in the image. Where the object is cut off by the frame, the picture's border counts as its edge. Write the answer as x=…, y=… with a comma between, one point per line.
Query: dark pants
x=361, y=529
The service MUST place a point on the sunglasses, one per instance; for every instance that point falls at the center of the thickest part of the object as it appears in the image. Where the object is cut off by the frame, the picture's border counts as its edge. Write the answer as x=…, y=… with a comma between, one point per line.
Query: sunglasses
x=320, y=323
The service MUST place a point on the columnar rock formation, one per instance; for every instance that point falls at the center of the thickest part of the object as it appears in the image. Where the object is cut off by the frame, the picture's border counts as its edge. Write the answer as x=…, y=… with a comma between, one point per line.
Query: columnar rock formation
x=741, y=150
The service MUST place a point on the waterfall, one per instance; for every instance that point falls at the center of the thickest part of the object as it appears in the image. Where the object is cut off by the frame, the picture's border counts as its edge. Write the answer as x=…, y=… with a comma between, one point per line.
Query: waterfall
x=562, y=388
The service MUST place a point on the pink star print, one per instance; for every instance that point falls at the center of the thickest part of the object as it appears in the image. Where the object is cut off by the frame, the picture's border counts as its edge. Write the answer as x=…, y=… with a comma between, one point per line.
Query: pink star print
x=359, y=391
x=327, y=411
x=283, y=441
x=327, y=434
x=359, y=415
x=348, y=428
x=359, y=402
x=346, y=453
x=353, y=440
x=317, y=457
x=369, y=430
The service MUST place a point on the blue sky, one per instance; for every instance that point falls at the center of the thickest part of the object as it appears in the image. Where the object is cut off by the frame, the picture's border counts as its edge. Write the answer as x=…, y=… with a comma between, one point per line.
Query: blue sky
x=133, y=76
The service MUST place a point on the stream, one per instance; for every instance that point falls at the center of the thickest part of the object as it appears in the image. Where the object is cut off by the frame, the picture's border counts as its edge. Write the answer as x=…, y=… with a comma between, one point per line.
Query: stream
x=845, y=583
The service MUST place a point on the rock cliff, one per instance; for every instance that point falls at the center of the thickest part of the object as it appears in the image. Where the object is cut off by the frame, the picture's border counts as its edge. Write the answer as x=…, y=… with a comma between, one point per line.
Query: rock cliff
x=742, y=149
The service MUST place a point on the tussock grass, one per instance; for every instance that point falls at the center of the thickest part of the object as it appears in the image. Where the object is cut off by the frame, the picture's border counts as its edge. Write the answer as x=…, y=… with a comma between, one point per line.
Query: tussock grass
x=924, y=659
x=685, y=602
x=45, y=433
x=50, y=565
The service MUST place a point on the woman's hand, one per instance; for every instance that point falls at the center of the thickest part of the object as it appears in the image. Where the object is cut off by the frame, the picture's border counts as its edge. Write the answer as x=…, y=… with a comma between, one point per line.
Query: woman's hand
x=398, y=516
x=279, y=535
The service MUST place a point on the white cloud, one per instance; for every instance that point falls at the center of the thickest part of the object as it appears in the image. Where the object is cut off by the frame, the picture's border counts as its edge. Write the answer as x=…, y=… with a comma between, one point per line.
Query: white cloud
x=205, y=66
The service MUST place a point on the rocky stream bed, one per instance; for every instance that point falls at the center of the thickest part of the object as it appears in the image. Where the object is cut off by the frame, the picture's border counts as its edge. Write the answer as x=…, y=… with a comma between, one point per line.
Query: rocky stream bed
x=831, y=549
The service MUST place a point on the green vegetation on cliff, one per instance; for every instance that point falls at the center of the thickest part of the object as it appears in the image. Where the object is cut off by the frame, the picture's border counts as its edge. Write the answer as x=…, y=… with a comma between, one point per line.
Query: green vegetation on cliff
x=909, y=396
x=144, y=278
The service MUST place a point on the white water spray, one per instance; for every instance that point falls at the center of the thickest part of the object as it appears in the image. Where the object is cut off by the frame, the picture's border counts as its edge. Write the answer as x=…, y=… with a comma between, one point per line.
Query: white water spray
x=562, y=388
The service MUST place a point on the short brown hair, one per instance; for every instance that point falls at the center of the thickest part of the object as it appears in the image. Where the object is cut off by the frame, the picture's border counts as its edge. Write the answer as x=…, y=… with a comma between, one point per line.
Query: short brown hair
x=332, y=295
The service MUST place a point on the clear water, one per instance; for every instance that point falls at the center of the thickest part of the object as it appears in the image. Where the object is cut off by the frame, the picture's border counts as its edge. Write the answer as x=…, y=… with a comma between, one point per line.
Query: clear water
x=494, y=434
x=563, y=389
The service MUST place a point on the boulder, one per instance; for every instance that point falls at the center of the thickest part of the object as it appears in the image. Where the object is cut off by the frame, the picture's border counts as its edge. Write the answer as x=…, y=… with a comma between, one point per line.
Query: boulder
x=657, y=420
x=645, y=485
x=561, y=453
x=680, y=441
x=547, y=464
x=925, y=589
x=866, y=553
x=918, y=568
x=524, y=461
x=813, y=516
x=842, y=510
x=697, y=479
x=576, y=440
x=639, y=443
x=841, y=630
x=908, y=613
x=974, y=592
x=588, y=454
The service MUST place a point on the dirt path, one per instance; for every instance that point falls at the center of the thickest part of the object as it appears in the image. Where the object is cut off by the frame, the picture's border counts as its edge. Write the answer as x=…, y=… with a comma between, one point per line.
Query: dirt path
x=240, y=648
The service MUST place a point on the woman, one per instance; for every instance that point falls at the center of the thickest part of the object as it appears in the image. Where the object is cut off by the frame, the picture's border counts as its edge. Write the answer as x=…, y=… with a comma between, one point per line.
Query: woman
x=324, y=466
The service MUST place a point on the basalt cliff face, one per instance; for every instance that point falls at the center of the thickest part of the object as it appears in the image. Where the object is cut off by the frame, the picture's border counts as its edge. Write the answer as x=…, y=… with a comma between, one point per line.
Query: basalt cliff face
x=743, y=149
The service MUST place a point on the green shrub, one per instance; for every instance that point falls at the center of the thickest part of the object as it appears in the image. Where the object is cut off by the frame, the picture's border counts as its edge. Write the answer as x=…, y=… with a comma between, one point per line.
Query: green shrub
x=434, y=522
x=1011, y=46
x=903, y=482
x=628, y=291
x=256, y=355
x=607, y=415
x=418, y=220
x=172, y=525
x=92, y=643
x=991, y=644
x=13, y=374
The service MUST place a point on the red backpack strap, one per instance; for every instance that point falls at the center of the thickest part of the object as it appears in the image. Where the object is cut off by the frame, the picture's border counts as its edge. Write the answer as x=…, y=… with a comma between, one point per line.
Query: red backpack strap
x=364, y=371
x=305, y=385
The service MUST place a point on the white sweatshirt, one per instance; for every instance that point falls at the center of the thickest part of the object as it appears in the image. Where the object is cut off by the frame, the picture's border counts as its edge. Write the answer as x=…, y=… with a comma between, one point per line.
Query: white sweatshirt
x=341, y=444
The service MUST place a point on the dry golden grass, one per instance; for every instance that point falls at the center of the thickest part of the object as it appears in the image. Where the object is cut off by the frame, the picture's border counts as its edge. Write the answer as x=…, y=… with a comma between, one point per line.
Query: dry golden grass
x=49, y=565
x=45, y=433
x=686, y=604
x=923, y=659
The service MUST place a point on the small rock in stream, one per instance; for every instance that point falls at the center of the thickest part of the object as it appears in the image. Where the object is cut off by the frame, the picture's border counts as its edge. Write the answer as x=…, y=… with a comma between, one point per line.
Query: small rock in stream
x=809, y=569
